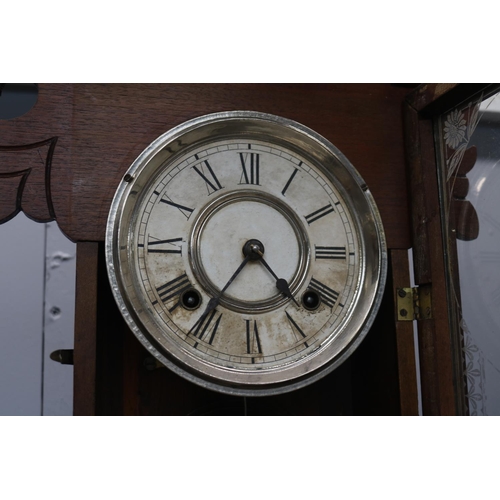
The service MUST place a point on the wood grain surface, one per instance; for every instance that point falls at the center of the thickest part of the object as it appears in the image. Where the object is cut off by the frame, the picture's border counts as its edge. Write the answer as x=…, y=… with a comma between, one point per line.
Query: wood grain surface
x=437, y=370
x=85, y=347
x=100, y=130
x=407, y=367
x=96, y=131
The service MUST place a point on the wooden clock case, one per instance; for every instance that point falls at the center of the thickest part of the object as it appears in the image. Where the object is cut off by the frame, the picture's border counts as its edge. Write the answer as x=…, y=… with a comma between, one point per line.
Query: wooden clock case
x=64, y=159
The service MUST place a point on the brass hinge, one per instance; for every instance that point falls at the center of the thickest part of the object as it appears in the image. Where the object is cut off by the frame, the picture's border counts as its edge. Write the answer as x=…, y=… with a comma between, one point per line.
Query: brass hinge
x=414, y=303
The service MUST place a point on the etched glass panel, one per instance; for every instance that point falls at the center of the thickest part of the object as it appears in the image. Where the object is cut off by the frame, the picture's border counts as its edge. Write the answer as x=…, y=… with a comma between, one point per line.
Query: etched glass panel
x=470, y=189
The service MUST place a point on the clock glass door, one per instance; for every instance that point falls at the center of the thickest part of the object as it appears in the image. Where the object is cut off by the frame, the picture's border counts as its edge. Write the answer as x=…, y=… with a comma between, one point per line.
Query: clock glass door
x=469, y=153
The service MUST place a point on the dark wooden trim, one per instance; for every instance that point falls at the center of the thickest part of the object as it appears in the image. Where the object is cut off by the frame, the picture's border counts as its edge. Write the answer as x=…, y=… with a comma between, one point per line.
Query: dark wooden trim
x=417, y=195
x=102, y=128
x=432, y=99
x=440, y=340
x=428, y=93
x=435, y=347
x=84, y=401
x=34, y=175
x=110, y=332
x=407, y=368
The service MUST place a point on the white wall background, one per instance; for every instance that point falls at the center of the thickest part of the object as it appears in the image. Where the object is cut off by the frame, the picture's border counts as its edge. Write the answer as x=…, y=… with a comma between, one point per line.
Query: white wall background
x=37, y=297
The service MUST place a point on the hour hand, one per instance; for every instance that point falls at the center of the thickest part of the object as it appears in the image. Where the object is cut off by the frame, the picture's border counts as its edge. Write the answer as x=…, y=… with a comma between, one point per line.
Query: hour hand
x=282, y=286
x=281, y=283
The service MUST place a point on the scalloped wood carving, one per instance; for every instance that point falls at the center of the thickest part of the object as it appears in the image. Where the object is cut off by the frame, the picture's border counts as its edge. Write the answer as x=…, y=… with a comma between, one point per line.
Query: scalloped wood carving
x=25, y=181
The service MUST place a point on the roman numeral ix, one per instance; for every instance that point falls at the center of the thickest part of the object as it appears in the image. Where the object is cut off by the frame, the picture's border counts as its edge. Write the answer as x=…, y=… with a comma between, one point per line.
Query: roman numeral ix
x=155, y=243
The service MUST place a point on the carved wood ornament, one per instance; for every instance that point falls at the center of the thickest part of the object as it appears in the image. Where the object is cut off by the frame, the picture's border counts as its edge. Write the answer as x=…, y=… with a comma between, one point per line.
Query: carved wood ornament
x=25, y=181
x=65, y=158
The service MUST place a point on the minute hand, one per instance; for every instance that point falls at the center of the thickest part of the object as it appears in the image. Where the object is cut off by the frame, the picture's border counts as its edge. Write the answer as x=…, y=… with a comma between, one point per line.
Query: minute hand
x=214, y=301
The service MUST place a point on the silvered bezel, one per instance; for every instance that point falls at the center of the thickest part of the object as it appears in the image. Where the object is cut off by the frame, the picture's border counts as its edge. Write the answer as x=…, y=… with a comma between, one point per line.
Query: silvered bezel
x=323, y=156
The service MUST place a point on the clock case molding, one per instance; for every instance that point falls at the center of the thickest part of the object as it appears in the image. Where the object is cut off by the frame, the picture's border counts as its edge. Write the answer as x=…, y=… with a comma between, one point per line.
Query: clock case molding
x=64, y=159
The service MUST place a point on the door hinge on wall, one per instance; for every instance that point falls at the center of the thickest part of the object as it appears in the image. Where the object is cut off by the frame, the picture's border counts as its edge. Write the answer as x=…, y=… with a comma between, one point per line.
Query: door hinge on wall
x=414, y=303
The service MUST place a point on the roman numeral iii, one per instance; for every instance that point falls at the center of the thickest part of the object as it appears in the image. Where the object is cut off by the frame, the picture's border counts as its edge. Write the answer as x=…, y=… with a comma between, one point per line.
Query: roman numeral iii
x=330, y=252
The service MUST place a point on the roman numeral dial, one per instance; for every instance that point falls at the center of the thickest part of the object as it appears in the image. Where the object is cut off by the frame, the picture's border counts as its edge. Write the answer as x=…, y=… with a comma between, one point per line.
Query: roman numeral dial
x=290, y=179
x=205, y=171
x=252, y=337
x=172, y=245
x=336, y=253
x=201, y=218
x=186, y=211
x=298, y=332
x=170, y=292
x=318, y=214
x=207, y=329
x=327, y=294
x=250, y=165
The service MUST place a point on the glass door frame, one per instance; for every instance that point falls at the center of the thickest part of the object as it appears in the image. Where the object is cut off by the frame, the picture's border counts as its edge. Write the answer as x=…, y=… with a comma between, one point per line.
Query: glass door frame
x=442, y=370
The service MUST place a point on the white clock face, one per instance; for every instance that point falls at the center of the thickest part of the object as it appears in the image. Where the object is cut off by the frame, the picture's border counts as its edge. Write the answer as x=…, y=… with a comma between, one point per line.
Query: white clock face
x=242, y=262
x=233, y=192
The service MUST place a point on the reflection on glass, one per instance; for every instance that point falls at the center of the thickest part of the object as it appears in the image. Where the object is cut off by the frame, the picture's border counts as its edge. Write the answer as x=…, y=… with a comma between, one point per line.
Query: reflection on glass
x=471, y=146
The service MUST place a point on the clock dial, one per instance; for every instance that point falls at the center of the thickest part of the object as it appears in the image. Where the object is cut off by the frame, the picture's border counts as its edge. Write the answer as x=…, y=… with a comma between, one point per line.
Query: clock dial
x=241, y=260
x=209, y=242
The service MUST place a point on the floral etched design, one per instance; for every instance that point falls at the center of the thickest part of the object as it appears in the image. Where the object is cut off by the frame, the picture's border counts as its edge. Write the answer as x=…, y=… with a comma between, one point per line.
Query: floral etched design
x=461, y=222
x=454, y=128
x=474, y=372
x=458, y=129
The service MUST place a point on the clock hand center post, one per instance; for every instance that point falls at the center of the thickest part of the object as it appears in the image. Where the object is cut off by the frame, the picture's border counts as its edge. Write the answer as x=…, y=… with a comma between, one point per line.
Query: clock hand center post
x=253, y=250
